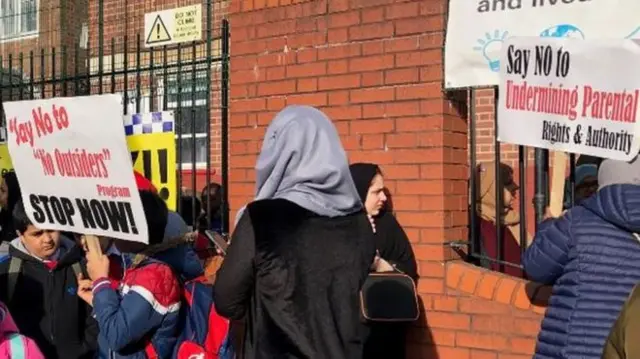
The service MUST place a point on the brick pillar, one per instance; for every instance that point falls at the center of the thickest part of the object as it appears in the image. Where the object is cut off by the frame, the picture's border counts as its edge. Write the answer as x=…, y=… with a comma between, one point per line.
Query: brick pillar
x=375, y=68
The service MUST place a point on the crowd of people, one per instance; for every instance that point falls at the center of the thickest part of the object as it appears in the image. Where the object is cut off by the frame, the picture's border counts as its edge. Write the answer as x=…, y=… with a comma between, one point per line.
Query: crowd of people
x=589, y=255
x=290, y=282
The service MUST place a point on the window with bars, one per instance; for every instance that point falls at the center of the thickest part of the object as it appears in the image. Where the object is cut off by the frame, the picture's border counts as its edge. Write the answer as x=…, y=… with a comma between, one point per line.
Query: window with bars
x=188, y=100
x=18, y=18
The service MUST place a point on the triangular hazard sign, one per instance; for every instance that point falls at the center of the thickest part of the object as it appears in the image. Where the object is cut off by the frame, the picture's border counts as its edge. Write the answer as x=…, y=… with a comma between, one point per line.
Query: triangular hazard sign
x=158, y=32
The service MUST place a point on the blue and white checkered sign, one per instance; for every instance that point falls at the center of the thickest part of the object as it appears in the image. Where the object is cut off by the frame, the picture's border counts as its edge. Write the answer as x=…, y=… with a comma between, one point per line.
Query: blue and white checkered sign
x=150, y=122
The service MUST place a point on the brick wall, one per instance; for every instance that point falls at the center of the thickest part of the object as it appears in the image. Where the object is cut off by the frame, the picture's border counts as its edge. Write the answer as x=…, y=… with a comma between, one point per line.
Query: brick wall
x=375, y=67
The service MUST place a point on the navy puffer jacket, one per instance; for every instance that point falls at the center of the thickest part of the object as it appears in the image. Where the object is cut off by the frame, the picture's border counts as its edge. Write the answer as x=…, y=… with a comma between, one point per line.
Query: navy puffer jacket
x=592, y=259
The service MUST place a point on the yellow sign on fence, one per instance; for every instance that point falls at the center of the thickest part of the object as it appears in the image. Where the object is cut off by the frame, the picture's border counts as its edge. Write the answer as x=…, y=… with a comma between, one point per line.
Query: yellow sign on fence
x=154, y=156
x=5, y=159
x=172, y=26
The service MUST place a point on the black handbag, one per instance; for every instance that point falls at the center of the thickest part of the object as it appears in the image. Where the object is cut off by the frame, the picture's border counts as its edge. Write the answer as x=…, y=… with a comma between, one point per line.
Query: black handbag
x=389, y=297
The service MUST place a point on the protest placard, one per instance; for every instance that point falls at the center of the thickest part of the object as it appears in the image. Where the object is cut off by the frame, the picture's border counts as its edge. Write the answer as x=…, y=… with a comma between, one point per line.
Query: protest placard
x=577, y=96
x=74, y=167
x=154, y=156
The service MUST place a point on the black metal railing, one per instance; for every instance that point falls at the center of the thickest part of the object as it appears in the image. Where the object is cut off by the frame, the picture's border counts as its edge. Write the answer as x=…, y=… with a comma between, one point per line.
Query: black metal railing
x=478, y=247
x=190, y=79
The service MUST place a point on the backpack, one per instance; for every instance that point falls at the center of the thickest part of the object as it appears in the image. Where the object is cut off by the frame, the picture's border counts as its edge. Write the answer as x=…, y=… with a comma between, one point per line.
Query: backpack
x=17, y=346
x=205, y=334
x=15, y=265
x=14, y=345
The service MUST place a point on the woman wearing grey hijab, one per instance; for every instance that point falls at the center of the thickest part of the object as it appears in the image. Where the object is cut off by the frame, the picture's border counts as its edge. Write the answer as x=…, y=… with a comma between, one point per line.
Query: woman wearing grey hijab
x=301, y=250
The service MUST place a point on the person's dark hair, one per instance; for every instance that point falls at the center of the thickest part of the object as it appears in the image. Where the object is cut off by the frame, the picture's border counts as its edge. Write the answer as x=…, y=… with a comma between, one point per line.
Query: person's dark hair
x=13, y=191
x=155, y=213
x=186, y=209
x=586, y=159
x=211, y=186
x=20, y=219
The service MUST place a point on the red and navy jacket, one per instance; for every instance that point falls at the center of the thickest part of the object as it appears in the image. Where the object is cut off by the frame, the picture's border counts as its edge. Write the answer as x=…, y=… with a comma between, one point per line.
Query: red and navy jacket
x=140, y=318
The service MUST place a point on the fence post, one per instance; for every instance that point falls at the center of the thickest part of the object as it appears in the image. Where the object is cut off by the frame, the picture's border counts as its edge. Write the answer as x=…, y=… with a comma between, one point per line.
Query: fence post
x=540, y=196
x=100, y=44
x=224, y=127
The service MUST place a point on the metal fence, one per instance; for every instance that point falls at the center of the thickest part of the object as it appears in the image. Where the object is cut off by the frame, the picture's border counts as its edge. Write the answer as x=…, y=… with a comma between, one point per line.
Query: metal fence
x=496, y=252
x=190, y=79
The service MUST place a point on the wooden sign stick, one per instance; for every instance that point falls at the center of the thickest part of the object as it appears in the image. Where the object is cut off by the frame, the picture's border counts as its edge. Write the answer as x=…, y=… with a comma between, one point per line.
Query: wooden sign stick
x=558, y=176
x=93, y=245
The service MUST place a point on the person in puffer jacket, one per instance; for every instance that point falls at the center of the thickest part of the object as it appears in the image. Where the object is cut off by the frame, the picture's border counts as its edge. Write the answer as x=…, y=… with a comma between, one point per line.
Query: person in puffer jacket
x=592, y=258
x=140, y=318
x=14, y=345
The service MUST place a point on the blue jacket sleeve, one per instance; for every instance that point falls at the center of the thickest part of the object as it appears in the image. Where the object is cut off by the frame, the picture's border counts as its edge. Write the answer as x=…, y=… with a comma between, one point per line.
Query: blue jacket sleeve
x=127, y=320
x=546, y=257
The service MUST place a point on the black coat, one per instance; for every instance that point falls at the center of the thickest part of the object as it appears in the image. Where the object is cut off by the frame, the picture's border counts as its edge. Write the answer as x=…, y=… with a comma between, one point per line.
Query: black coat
x=297, y=277
x=46, y=307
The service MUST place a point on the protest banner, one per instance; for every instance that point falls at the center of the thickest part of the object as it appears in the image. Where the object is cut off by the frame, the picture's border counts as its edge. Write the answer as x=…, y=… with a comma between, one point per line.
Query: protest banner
x=154, y=156
x=477, y=30
x=74, y=167
x=578, y=96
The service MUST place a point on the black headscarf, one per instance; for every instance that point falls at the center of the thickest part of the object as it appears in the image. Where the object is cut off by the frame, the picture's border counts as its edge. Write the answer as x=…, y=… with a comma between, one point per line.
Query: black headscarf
x=363, y=174
x=391, y=240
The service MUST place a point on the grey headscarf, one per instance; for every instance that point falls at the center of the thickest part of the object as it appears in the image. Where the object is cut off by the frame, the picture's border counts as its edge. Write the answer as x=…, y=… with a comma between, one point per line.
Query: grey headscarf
x=302, y=160
x=619, y=172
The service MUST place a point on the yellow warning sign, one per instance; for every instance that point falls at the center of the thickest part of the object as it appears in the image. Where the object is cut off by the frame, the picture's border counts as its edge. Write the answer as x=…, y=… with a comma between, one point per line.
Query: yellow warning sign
x=172, y=26
x=159, y=32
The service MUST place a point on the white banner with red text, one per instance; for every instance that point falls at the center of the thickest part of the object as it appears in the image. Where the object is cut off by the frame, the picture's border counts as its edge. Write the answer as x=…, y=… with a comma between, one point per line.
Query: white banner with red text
x=578, y=96
x=74, y=167
x=478, y=29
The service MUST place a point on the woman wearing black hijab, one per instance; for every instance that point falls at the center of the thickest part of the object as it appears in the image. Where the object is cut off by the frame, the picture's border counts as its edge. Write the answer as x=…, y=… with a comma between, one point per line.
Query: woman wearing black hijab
x=9, y=197
x=386, y=340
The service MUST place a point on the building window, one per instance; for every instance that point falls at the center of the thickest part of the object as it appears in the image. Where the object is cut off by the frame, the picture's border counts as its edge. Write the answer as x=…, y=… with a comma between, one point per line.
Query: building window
x=191, y=117
x=18, y=19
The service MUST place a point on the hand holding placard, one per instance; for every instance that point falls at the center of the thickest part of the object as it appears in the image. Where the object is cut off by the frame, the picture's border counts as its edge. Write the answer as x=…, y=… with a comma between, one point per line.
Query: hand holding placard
x=97, y=263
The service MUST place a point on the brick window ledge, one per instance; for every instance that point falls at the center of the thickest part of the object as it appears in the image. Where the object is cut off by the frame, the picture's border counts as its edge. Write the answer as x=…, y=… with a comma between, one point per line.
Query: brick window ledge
x=497, y=287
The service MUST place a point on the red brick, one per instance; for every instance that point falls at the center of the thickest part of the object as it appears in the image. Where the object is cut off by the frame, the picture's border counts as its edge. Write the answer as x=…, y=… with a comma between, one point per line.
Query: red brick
x=344, y=19
x=453, y=353
x=483, y=354
x=372, y=95
x=339, y=82
x=307, y=70
x=372, y=126
x=371, y=31
x=481, y=341
x=371, y=63
x=448, y=320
